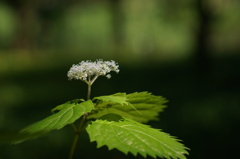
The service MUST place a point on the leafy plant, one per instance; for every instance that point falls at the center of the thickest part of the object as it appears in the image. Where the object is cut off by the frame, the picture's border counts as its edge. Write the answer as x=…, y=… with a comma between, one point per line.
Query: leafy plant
x=114, y=120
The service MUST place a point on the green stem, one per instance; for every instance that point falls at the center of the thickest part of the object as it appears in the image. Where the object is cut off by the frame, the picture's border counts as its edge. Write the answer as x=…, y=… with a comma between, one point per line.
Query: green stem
x=79, y=129
x=74, y=127
x=73, y=147
x=75, y=139
x=89, y=92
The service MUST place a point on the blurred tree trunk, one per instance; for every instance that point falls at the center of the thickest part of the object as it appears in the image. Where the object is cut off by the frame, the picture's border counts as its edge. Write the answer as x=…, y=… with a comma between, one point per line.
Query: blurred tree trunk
x=27, y=28
x=117, y=24
x=202, y=54
x=35, y=21
x=27, y=24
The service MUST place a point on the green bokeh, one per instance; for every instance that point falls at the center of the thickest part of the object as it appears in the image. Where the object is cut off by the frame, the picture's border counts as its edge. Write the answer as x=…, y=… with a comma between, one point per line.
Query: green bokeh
x=155, y=53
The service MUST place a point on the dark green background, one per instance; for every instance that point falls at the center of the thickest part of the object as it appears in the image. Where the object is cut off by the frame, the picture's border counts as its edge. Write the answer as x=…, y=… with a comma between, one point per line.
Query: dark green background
x=186, y=51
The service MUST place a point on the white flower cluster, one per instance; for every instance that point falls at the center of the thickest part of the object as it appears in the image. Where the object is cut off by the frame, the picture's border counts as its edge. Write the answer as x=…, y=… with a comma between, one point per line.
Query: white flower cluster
x=88, y=71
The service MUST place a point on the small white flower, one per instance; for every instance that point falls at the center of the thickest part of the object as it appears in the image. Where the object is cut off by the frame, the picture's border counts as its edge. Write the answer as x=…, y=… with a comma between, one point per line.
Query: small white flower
x=88, y=71
x=108, y=76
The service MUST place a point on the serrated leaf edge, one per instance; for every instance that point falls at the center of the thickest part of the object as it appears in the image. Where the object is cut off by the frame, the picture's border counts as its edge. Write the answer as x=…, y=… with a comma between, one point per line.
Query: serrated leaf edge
x=144, y=154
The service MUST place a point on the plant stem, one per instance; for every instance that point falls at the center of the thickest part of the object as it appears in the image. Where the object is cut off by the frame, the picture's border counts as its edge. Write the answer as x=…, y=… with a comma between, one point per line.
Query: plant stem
x=75, y=139
x=89, y=92
x=79, y=129
x=74, y=127
x=73, y=147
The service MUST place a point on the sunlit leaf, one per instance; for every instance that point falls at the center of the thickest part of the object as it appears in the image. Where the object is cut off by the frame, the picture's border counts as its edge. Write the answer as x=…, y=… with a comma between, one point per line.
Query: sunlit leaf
x=142, y=107
x=119, y=98
x=68, y=114
x=129, y=136
x=65, y=105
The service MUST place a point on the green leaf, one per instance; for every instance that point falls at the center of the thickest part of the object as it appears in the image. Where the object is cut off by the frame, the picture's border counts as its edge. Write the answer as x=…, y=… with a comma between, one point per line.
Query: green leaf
x=119, y=98
x=147, y=105
x=111, y=117
x=68, y=113
x=62, y=106
x=130, y=136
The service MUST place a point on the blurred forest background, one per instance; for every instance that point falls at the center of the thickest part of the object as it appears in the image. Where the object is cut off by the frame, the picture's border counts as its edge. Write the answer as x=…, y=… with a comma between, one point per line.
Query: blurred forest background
x=185, y=50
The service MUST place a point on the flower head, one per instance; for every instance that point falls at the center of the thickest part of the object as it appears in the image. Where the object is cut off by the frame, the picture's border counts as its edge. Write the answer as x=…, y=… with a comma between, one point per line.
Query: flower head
x=88, y=71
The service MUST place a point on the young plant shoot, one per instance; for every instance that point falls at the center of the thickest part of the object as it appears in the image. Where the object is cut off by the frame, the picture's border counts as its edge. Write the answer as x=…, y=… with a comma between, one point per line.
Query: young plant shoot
x=116, y=121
